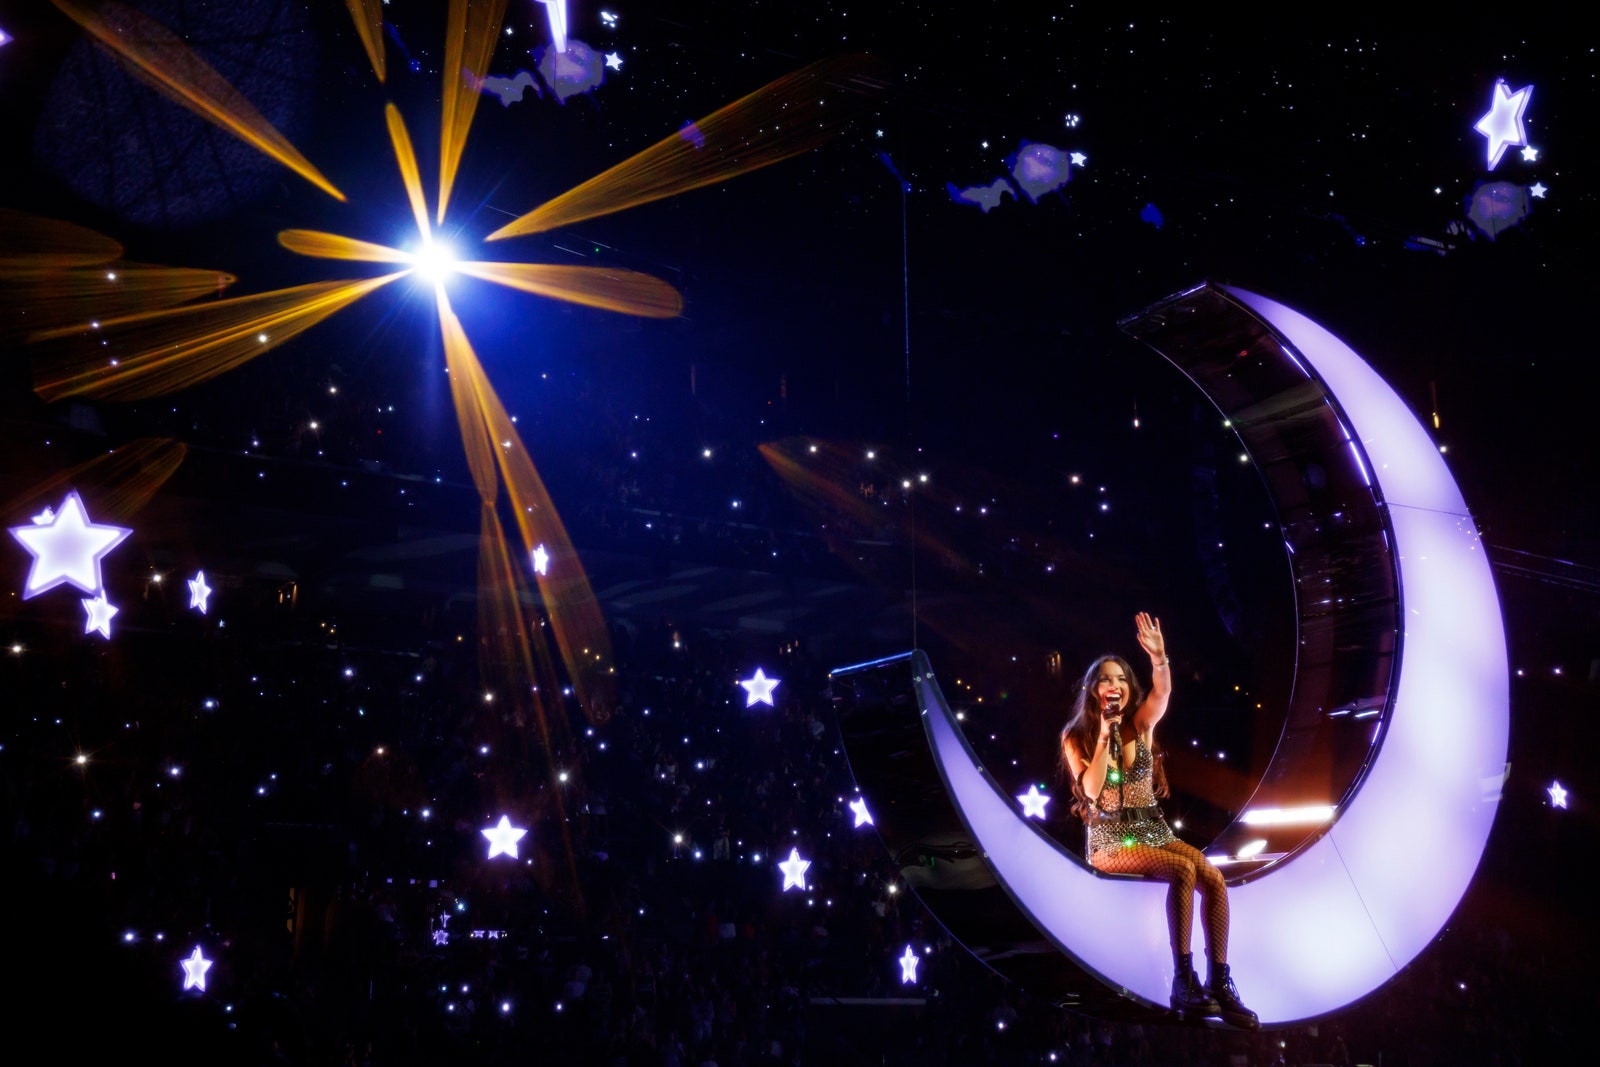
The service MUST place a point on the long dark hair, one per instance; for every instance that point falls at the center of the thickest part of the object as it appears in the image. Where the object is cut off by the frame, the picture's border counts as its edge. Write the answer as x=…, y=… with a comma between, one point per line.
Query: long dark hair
x=1084, y=728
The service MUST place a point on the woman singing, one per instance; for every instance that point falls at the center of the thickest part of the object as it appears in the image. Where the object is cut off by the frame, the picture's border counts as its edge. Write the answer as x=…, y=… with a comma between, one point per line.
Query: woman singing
x=1115, y=782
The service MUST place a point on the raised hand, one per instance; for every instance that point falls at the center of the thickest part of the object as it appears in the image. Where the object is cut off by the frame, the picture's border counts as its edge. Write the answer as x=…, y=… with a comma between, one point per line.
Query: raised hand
x=1148, y=631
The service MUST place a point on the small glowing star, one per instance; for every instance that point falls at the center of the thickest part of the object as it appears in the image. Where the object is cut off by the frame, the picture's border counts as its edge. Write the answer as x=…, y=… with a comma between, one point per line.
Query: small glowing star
x=503, y=838
x=1033, y=803
x=614, y=61
x=194, y=970
x=99, y=611
x=908, y=967
x=608, y=19
x=1502, y=125
x=794, y=871
x=1078, y=159
x=1530, y=154
x=759, y=687
x=541, y=561
x=1558, y=795
x=1538, y=190
x=199, y=592
x=67, y=547
x=863, y=818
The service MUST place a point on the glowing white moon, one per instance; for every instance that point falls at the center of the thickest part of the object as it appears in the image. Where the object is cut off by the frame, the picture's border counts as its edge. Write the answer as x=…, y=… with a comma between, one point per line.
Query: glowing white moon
x=1329, y=925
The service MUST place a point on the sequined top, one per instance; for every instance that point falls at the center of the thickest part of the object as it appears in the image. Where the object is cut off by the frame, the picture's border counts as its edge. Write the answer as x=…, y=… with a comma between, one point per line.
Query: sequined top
x=1108, y=832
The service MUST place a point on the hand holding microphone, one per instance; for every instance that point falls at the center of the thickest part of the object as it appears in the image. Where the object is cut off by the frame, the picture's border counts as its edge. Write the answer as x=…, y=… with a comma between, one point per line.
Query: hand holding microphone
x=1114, y=714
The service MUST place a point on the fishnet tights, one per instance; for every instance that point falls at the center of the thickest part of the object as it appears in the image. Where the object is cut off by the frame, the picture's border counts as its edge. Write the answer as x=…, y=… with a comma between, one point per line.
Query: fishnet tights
x=1184, y=868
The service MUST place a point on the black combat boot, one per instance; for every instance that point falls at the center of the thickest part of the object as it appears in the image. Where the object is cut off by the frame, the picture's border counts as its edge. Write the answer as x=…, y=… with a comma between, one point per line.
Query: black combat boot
x=1232, y=1009
x=1189, y=998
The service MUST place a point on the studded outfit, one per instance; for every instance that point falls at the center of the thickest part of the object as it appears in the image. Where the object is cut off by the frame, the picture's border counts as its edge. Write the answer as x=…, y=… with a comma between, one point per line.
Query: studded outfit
x=1110, y=829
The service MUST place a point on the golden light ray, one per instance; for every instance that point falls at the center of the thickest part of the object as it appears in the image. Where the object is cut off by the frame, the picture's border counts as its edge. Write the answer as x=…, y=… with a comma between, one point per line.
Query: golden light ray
x=471, y=34
x=34, y=242
x=490, y=437
x=35, y=301
x=368, y=17
x=407, y=158
x=122, y=481
x=781, y=119
x=320, y=245
x=161, y=58
x=626, y=291
x=183, y=346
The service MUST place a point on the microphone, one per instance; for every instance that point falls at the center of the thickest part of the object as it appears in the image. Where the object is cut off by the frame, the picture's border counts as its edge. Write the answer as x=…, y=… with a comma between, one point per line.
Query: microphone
x=1114, y=708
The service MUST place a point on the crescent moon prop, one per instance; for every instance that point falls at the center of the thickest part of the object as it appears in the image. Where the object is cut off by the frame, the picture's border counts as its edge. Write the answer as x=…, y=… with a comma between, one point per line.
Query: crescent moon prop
x=1398, y=719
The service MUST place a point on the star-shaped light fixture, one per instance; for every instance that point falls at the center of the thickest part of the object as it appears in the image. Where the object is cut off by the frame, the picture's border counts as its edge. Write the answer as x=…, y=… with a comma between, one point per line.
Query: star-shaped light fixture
x=98, y=611
x=1033, y=803
x=1558, y=795
x=794, y=871
x=199, y=592
x=1538, y=190
x=614, y=61
x=194, y=970
x=1078, y=159
x=863, y=817
x=759, y=689
x=541, y=561
x=67, y=548
x=908, y=967
x=1502, y=125
x=503, y=838
x=1530, y=154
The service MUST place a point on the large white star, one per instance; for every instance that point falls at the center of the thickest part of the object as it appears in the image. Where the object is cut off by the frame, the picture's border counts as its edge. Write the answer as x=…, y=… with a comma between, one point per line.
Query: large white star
x=503, y=838
x=67, y=547
x=199, y=591
x=794, y=871
x=760, y=688
x=859, y=806
x=541, y=561
x=98, y=611
x=1538, y=189
x=1033, y=803
x=908, y=967
x=1078, y=159
x=194, y=970
x=1502, y=125
x=1558, y=795
x=614, y=61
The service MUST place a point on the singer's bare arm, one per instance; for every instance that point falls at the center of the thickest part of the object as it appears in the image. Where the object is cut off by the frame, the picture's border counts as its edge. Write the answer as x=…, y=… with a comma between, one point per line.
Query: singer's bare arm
x=1090, y=772
x=1155, y=705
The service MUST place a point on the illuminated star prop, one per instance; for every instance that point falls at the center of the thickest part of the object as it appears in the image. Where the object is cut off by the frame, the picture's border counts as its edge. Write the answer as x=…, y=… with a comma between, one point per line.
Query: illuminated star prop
x=541, y=561
x=794, y=871
x=503, y=838
x=908, y=967
x=67, y=547
x=1530, y=154
x=1558, y=795
x=614, y=61
x=1078, y=159
x=863, y=818
x=1502, y=125
x=199, y=592
x=194, y=970
x=99, y=611
x=1033, y=803
x=608, y=19
x=1538, y=190
x=759, y=687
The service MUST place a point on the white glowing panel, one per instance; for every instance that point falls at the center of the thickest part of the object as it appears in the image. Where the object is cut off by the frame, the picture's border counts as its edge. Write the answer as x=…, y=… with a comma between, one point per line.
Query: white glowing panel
x=67, y=548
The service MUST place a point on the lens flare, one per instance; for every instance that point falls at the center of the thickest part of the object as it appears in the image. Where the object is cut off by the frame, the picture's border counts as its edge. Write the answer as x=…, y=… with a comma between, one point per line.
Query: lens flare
x=625, y=291
x=368, y=17
x=470, y=37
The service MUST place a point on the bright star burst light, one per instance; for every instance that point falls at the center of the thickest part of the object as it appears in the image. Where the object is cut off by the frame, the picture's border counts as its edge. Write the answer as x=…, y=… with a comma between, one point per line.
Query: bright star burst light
x=1502, y=125
x=194, y=970
x=908, y=967
x=1033, y=803
x=794, y=871
x=759, y=689
x=863, y=818
x=1558, y=795
x=199, y=592
x=67, y=548
x=166, y=347
x=503, y=838
x=99, y=611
